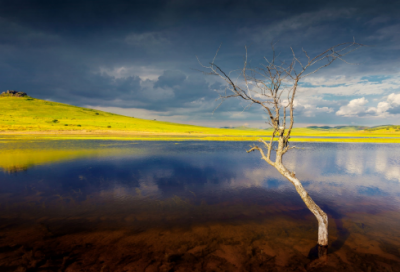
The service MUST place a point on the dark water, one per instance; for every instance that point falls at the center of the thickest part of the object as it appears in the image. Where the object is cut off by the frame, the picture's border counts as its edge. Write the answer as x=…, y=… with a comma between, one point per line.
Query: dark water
x=195, y=206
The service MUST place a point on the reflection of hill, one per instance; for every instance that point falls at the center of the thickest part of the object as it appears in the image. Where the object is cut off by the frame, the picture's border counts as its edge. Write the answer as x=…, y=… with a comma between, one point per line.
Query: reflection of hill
x=16, y=168
x=12, y=161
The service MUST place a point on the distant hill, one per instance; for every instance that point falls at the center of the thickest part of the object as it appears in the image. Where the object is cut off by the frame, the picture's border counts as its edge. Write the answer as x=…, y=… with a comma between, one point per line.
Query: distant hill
x=347, y=128
x=381, y=128
x=241, y=128
x=384, y=127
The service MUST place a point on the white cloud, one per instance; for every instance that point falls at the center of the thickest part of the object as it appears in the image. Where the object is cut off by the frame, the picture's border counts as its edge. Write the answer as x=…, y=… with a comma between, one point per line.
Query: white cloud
x=312, y=110
x=333, y=80
x=394, y=99
x=383, y=109
x=310, y=106
x=380, y=110
x=357, y=107
x=354, y=108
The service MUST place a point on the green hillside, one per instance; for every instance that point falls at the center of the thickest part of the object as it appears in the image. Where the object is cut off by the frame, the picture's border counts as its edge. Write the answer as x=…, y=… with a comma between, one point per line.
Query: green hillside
x=27, y=117
x=384, y=128
x=26, y=114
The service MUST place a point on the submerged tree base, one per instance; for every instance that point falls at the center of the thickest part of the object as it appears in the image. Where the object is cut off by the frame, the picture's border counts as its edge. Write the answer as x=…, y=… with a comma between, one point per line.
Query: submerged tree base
x=318, y=252
x=322, y=251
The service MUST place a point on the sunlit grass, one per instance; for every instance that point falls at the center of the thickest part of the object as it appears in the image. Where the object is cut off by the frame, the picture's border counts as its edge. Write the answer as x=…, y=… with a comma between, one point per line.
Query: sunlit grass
x=35, y=115
x=42, y=119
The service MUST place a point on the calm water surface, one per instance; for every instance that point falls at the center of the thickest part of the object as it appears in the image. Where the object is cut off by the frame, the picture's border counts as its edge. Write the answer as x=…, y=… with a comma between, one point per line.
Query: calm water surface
x=195, y=206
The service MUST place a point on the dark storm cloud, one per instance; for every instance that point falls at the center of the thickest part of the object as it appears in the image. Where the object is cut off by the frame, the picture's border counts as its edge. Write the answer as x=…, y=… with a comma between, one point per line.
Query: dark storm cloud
x=394, y=110
x=170, y=79
x=74, y=51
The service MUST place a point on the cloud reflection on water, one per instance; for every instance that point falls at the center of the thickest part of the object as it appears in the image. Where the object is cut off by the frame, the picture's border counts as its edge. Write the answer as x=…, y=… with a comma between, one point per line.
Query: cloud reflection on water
x=164, y=170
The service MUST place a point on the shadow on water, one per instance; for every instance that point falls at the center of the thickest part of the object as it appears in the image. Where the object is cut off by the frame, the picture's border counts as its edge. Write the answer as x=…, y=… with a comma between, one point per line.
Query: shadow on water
x=341, y=232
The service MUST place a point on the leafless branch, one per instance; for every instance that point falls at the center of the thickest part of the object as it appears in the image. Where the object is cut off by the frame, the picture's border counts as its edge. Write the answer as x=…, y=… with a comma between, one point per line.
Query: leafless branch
x=265, y=85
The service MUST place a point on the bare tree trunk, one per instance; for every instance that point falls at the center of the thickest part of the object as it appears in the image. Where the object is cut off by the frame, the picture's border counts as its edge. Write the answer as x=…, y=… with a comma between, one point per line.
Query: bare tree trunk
x=314, y=208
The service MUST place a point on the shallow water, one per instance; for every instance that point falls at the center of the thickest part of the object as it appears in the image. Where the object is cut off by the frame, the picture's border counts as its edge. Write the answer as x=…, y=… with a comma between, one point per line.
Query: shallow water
x=195, y=206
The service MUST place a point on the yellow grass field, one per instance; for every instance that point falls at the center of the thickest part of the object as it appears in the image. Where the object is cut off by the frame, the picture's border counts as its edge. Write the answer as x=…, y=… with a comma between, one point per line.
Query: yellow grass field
x=26, y=118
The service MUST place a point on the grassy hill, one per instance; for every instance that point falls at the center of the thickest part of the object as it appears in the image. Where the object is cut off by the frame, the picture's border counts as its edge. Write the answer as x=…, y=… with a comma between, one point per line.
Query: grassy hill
x=31, y=116
x=385, y=128
x=26, y=114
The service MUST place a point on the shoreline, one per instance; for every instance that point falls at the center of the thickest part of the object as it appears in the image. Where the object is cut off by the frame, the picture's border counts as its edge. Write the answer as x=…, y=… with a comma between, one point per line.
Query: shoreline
x=151, y=136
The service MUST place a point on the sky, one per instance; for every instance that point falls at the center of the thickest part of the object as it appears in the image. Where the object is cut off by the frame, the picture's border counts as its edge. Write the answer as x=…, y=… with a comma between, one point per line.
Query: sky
x=141, y=58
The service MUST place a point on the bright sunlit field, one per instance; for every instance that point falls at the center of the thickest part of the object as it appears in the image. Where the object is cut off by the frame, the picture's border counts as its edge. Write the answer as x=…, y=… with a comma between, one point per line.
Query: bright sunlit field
x=26, y=116
x=36, y=115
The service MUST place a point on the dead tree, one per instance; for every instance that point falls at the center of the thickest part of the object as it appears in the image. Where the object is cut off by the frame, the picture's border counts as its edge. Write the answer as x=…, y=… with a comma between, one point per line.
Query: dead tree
x=273, y=87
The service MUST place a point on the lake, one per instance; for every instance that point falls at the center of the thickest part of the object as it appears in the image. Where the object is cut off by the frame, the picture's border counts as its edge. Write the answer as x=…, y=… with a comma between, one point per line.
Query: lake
x=195, y=206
